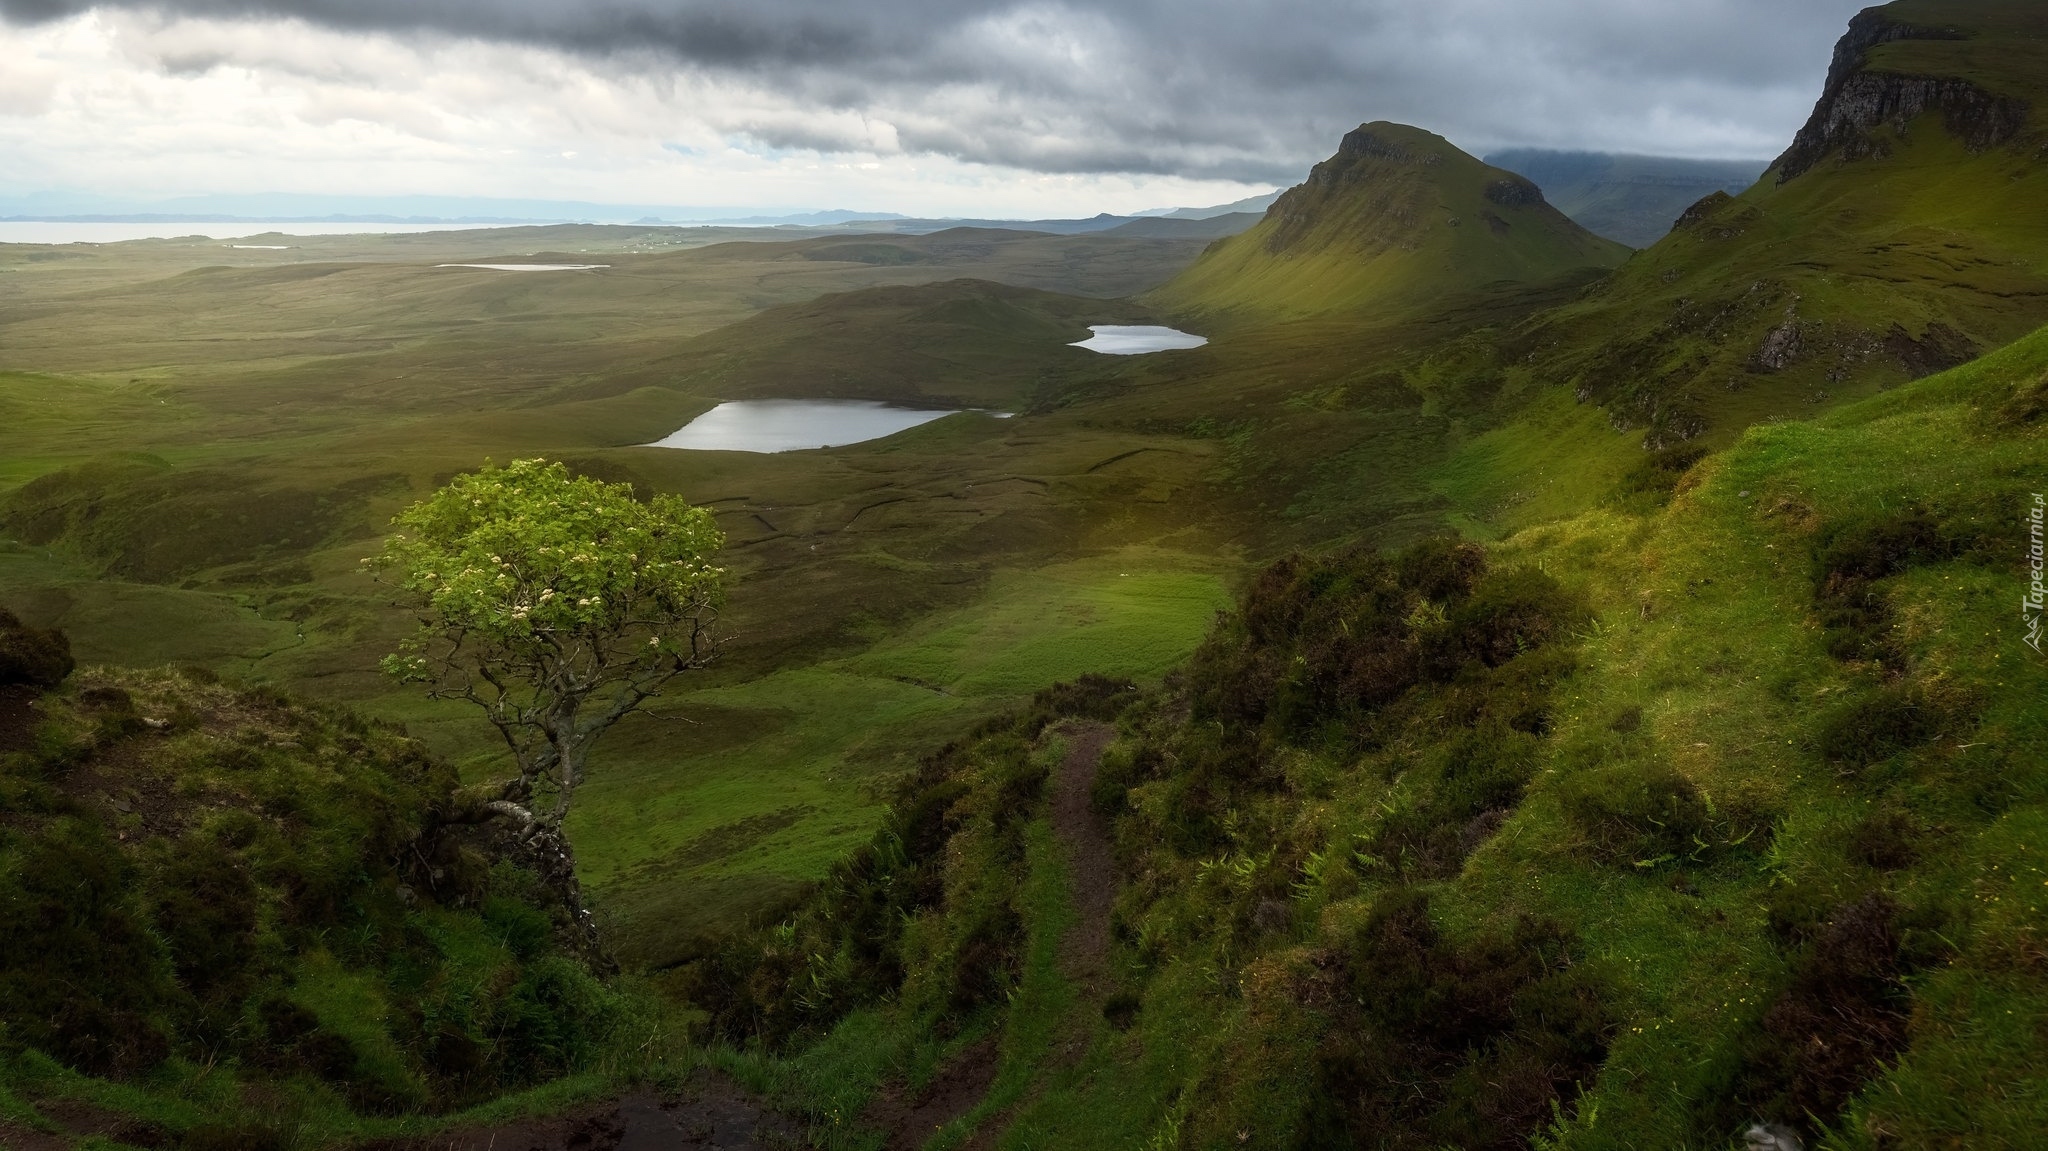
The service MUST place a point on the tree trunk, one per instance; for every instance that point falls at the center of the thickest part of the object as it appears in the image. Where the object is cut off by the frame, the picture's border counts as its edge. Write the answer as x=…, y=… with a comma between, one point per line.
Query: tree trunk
x=554, y=861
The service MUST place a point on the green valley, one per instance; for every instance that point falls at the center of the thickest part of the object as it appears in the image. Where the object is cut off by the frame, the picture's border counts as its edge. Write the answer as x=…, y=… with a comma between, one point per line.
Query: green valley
x=1502, y=691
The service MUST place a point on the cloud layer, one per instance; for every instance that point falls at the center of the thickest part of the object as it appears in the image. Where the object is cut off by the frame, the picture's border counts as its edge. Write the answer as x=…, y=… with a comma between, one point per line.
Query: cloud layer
x=1099, y=93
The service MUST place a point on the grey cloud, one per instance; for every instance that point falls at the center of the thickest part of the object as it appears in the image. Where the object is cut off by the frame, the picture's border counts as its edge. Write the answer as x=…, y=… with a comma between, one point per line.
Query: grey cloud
x=1200, y=88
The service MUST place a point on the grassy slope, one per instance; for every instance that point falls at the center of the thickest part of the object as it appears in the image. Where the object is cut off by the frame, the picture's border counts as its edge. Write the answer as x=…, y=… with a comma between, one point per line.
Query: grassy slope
x=226, y=871
x=1394, y=222
x=692, y=832
x=1704, y=637
x=1868, y=261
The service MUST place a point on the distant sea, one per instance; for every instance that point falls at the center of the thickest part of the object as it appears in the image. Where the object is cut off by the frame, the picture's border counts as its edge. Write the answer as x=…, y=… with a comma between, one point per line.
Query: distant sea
x=37, y=232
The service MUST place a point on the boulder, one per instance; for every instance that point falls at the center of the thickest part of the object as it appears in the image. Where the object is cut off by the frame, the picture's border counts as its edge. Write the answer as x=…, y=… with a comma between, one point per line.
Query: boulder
x=32, y=656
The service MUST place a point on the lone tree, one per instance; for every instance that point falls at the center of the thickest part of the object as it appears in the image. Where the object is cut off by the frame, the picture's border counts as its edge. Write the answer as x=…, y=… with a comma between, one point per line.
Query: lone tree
x=558, y=605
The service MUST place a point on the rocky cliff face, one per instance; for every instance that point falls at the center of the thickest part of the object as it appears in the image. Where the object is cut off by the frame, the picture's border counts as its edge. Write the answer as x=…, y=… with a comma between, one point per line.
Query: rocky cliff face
x=1363, y=154
x=1857, y=102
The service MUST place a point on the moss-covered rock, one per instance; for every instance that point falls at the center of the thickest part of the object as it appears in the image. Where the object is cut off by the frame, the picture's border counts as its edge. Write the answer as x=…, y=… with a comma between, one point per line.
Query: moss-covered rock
x=30, y=656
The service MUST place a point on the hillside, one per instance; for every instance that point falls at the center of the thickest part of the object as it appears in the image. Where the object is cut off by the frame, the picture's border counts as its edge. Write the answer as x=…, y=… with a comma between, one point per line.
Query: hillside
x=958, y=343
x=1633, y=199
x=234, y=919
x=1695, y=808
x=1716, y=804
x=1905, y=230
x=1396, y=220
x=1342, y=735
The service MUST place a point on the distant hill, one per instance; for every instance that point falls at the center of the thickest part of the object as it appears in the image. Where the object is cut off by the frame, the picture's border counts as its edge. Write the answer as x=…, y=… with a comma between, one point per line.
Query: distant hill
x=1633, y=199
x=1252, y=204
x=1188, y=227
x=1397, y=218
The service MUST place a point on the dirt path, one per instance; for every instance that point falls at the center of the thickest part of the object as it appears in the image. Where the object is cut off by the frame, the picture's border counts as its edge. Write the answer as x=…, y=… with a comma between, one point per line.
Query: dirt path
x=910, y=1119
x=712, y=1114
x=1091, y=860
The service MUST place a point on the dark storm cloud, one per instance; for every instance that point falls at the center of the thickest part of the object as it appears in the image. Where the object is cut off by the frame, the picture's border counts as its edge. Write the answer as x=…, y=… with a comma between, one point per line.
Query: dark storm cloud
x=1207, y=88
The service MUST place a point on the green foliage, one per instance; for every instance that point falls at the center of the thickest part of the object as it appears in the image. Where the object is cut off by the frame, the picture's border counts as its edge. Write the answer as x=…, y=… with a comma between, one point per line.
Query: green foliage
x=1699, y=688
x=1442, y=1043
x=267, y=887
x=1654, y=816
x=1851, y=561
x=1896, y=717
x=1333, y=641
x=524, y=559
x=1843, y=1013
x=1657, y=477
x=81, y=976
x=952, y=854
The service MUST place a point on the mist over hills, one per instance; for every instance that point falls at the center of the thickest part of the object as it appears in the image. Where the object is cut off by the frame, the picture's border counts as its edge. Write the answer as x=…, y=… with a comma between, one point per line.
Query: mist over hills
x=1634, y=199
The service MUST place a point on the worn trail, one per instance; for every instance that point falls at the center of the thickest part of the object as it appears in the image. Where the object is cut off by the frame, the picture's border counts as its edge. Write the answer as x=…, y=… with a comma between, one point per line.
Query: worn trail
x=1091, y=859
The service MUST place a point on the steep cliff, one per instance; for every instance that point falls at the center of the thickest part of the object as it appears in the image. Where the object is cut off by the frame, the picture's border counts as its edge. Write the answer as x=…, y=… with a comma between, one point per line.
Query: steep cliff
x=1900, y=234
x=1861, y=100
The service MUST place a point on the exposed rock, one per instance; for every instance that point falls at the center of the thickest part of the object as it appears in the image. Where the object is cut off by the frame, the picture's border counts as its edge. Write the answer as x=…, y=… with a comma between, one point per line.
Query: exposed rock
x=1362, y=141
x=1671, y=426
x=1706, y=206
x=1855, y=102
x=1514, y=192
x=1780, y=348
x=1361, y=155
x=1770, y=1137
x=1937, y=350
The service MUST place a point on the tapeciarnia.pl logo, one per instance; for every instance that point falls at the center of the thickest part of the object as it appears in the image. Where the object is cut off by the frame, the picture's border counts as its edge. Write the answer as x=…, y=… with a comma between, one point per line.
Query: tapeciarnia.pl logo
x=2037, y=595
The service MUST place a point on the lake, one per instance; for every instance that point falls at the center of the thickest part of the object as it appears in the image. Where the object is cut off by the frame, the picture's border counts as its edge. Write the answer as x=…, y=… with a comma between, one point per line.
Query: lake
x=527, y=267
x=1137, y=339
x=793, y=425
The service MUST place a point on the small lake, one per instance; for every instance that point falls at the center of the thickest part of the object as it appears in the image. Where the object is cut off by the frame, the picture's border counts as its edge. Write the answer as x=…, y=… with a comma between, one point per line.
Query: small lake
x=793, y=425
x=1137, y=339
x=528, y=267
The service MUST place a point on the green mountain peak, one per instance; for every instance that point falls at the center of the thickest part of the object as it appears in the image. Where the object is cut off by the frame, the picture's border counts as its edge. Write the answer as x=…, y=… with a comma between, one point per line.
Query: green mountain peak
x=1397, y=218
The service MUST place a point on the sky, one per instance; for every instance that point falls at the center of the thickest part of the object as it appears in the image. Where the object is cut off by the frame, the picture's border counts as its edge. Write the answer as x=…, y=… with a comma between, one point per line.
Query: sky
x=976, y=108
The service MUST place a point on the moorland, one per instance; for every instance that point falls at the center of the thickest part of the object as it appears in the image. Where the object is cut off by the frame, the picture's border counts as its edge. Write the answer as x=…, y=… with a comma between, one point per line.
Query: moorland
x=1504, y=690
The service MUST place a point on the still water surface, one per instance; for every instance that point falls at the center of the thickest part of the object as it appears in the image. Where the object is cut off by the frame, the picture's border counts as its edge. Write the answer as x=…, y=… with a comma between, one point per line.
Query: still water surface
x=1137, y=339
x=791, y=425
x=523, y=267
